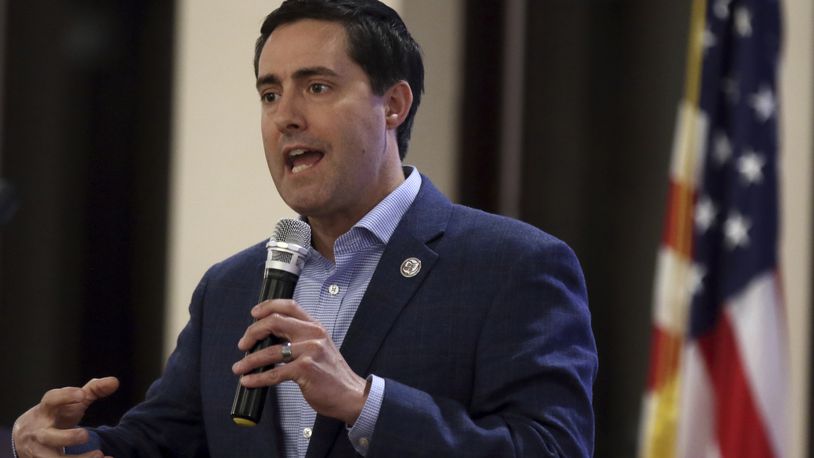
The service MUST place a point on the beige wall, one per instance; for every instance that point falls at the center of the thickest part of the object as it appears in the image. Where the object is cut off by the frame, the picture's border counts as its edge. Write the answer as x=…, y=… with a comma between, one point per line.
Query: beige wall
x=222, y=198
x=437, y=26
x=797, y=150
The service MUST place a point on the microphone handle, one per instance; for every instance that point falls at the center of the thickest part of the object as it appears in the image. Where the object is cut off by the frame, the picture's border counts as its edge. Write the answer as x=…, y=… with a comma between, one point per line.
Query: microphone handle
x=247, y=407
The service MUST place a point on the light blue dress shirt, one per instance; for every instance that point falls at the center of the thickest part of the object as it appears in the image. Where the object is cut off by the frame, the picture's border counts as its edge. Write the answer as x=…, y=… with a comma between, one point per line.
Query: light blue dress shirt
x=331, y=293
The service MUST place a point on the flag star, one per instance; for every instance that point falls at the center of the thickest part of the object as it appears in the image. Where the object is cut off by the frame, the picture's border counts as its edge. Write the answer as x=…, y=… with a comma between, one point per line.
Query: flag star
x=763, y=103
x=736, y=231
x=721, y=148
x=696, y=279
x=750, y=166
x=721, y=8
x=708, y=39
x=732, y=90
x=743, y=21
x=705, y=213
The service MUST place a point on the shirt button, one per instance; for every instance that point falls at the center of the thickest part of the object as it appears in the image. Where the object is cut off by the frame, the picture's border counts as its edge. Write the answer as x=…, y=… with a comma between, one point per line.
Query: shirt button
x=333, y=289
x=306, y=433
x=364, y=442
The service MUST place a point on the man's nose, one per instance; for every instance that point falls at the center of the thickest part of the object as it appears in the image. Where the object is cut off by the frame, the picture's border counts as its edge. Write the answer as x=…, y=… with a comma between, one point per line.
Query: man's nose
x=288, y=114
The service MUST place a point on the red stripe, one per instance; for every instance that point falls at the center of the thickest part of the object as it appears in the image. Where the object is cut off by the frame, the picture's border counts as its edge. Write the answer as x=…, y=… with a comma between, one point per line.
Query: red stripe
x=664, y=352
x=738, y=424
x=679, y=218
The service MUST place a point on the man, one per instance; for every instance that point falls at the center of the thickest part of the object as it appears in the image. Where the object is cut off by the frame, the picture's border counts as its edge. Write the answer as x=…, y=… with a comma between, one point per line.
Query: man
x=461, y=333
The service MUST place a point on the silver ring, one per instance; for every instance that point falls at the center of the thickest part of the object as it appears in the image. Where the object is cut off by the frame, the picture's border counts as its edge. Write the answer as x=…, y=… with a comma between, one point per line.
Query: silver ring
x=286, y=352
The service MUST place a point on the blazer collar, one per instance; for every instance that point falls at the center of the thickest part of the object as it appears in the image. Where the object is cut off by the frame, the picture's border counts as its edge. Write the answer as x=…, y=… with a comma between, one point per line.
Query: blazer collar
x=388, y=292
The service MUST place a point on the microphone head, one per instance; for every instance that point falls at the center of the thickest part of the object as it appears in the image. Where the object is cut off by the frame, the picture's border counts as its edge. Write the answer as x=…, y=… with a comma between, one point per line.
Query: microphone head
x=292, y=231
x=288, y=246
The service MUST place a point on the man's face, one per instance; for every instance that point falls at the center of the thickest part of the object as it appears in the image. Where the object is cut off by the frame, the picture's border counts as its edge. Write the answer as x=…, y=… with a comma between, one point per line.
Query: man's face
x=324, y=130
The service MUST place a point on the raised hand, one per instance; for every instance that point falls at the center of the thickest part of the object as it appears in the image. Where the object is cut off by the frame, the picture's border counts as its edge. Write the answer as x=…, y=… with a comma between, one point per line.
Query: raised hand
x=50, y=426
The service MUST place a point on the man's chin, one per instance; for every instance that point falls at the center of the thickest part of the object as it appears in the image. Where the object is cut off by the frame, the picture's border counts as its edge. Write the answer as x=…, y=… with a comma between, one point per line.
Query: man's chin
x=303, y=205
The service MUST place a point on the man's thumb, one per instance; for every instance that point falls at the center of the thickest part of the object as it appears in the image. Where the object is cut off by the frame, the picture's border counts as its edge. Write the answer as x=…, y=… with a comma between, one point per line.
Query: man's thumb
x=98, y=388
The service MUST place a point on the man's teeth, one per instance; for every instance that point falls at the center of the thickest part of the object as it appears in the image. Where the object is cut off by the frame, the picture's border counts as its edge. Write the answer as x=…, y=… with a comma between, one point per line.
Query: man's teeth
x=300, y=168
x=298, y=165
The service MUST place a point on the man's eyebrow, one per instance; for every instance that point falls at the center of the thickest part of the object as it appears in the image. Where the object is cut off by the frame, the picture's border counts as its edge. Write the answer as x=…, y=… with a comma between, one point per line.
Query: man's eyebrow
x=313, y=71
x=266, y=80
x=298, y=75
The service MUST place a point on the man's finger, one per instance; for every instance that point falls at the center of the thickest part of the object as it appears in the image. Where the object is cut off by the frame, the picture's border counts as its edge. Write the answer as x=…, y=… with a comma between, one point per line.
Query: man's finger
x=268, y=378
x=266, y=357
x=91, y=454
x=98, y=388
x=39, y=451
x=276, y=324
x=59, y=397
x=282, y=306
x=283, y=326
x=58, y=438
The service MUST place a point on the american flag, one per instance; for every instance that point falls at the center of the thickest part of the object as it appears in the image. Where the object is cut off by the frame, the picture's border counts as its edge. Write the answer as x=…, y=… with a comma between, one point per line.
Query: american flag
x=718, y=379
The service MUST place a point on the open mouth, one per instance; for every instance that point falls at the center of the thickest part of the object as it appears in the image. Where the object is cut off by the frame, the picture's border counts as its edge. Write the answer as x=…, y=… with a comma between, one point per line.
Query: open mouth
x=301, y=159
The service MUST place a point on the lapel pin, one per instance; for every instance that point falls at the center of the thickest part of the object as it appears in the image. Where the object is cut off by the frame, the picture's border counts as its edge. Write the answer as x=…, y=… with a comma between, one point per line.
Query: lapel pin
x=410, y=267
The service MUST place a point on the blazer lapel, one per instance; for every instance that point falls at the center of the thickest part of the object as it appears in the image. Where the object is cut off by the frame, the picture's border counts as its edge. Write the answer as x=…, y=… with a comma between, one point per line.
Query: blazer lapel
x=387, y=293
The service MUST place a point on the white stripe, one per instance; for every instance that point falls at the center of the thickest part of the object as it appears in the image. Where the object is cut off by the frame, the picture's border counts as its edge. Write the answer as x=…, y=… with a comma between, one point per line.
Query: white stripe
x=671, y=293
x=696, y=411
x=688, y=144
x=758, y=321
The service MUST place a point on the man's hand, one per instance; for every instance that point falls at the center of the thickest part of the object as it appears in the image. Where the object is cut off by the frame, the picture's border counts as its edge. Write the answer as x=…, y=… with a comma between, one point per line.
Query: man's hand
x=327, y=383
x=50, y=426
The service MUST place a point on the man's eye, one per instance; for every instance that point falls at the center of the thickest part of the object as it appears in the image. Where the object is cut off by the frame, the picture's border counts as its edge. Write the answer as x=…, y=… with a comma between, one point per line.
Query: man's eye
x=318, y=88
x=269, y=97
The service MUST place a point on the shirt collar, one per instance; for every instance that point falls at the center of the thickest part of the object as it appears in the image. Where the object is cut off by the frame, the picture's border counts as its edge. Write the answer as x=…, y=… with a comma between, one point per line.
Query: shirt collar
x=382, y=220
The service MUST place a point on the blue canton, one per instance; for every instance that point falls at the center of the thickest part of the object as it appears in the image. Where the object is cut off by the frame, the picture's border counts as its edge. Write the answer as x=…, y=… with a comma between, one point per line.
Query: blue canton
x=736, y=222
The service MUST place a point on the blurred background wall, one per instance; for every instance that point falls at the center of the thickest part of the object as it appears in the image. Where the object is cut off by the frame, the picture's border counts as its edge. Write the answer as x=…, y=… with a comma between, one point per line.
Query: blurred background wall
x=131, y=134
x=85, y=142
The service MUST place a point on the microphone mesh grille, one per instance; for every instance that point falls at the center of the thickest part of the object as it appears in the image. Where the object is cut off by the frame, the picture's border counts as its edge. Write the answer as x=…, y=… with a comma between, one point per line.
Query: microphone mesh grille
x=292, y=231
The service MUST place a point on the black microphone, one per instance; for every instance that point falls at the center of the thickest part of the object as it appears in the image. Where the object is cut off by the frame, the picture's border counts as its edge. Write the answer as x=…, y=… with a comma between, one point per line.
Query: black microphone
x=287, y=250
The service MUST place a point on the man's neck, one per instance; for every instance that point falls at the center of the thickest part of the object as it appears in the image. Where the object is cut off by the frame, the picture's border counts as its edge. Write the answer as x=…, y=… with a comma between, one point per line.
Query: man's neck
x=326, y=229
x=325, y=233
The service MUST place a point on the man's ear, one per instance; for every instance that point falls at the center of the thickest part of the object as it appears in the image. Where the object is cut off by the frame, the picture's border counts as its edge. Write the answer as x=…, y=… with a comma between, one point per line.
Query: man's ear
x=397, y=102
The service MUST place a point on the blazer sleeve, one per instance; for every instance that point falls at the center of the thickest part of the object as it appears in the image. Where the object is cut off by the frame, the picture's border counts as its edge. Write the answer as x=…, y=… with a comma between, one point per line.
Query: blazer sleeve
x=169, y=421
x=535, y=367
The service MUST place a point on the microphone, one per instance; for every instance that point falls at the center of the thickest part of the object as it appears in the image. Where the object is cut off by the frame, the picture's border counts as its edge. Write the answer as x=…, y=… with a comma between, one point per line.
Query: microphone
x=287, y=250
